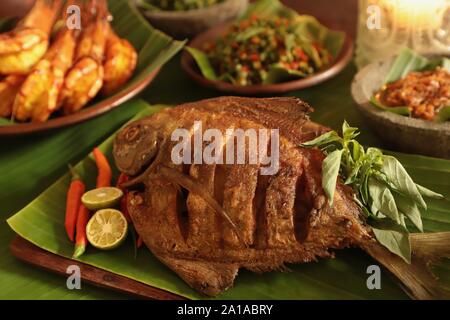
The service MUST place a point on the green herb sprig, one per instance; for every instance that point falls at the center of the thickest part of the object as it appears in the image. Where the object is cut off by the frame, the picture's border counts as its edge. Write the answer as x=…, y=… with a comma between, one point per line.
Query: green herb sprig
x=382, y=187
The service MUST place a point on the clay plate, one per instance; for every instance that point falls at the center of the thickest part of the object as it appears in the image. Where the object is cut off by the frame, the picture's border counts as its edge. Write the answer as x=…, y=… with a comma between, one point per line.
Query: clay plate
x=89, y=112
x=401, y=132
x=190, y=67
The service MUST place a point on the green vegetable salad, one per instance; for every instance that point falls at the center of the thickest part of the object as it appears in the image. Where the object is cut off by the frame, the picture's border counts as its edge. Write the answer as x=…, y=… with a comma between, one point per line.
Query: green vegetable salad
x=256, y=50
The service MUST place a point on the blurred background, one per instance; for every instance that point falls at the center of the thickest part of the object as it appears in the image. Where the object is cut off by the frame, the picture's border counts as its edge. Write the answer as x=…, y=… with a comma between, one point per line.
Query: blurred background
x=340, y=14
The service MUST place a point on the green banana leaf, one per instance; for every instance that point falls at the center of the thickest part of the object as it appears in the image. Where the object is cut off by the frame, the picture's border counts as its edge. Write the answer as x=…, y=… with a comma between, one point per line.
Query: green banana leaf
x=308, y=27
x=406, y=62
x=42, y=223
x=154, y=47
x=444, y=114
x=404, y=111
x=146, y=5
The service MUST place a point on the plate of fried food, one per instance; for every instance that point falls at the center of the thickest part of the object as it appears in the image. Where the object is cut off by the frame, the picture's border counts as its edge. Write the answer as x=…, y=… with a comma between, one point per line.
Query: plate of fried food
x=270, y=49
x=408, y=96
x=308, y=196
x=64, y=63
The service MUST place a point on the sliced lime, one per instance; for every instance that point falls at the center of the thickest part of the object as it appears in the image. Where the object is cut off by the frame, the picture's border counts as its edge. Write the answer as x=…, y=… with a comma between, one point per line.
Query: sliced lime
x=102, y=198
x=107, y=229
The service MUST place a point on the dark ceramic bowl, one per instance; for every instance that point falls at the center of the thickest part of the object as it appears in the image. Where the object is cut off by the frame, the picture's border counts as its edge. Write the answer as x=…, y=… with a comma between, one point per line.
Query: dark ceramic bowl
x=186, y=24
x=190, y=67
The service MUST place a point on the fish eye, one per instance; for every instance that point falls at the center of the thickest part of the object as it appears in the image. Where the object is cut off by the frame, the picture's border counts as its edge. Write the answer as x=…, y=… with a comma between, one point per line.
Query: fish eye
x=132, y=133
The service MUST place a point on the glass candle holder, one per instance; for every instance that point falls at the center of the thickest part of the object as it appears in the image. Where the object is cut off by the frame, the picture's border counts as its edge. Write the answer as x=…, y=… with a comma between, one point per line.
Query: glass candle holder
x=385, y=27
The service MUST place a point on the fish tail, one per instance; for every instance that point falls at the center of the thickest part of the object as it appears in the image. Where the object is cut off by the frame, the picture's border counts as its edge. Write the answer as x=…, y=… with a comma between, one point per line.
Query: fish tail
x=416, y=278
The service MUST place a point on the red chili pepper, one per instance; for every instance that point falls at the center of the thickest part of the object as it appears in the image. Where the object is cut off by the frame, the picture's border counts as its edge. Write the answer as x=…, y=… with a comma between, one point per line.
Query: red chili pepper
x=254, y=57
x=316, y=46
x=294, y=65
x=124, y=207
x=121, y=180
x=301, y=54
x=104, y=169
x=139, y=242
x=73, y=202
x=124, y=201
x=256, y=40
x=81, y=239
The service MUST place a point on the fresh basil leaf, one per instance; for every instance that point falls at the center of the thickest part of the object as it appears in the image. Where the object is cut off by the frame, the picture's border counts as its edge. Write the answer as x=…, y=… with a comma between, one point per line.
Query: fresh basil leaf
x=380, y=176
x=354, y=173
x=366, y=211
x=357, y=150
x=326, y=138
x=375, y=157
x=382, y=199
x=330, y=172
x=393, y=236
x=401, y=180
x=429, y=193
x=349, y=133
x=409, y=208
x=364, y=189
x=358, y=202
x=402, y=221
x=203, y=63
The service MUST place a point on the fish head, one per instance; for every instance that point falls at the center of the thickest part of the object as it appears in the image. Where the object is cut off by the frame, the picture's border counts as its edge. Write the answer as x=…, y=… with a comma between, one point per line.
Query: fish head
x=135, y=147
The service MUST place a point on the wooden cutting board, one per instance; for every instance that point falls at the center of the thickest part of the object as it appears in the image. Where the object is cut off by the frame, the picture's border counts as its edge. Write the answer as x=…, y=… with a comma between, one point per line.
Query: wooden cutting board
x=28, y=252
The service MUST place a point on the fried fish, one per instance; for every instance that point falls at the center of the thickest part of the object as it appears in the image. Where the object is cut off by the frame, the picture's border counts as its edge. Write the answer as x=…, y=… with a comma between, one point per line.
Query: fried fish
x=206, y=221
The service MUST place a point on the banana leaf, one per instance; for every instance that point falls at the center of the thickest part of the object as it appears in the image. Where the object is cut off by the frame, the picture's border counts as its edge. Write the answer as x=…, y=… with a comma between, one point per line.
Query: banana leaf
x=154, y=47
x=42, y=223
x=311, y=31
x=406, y=62
x=444, y=114
x=278, y=73
x=146, y=5
x=203, y=62
x=404, y=111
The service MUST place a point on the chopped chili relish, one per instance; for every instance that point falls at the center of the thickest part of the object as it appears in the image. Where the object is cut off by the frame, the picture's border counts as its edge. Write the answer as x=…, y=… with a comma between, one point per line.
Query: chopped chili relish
x=253, y=47
x=425, y=93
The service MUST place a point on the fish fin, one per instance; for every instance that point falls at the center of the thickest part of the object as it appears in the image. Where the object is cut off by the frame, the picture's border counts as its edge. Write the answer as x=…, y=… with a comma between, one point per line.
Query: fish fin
x=416, y=278
x=207, y=277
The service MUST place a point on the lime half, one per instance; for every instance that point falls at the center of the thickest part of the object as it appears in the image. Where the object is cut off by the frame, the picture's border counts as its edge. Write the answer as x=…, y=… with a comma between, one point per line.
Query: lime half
x=107, y=229
x=101, y=198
